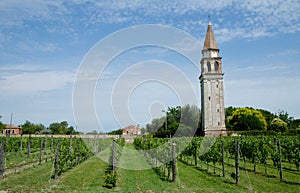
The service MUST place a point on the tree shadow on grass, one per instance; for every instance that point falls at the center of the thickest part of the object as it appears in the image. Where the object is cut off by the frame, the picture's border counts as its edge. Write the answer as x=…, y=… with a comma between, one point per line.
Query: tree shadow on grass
x=291, y=183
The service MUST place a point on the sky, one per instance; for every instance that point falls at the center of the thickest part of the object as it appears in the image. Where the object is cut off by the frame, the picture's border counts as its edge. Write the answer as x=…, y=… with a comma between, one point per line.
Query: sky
x=46, y=44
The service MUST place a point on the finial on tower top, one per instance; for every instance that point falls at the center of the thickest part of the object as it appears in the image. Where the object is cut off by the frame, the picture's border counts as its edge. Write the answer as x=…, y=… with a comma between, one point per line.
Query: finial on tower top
x=209, y=23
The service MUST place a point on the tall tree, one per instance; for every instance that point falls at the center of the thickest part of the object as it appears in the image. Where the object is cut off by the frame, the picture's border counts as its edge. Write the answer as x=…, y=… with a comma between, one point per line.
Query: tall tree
x=183, y=121
x=31, y=128
x=247, y=119
x=2, y=126
x=61, y=128
x=278, y=125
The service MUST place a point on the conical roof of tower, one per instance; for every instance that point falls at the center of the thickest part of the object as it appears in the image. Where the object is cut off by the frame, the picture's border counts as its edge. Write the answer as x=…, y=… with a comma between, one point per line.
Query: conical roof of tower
x=210, y=41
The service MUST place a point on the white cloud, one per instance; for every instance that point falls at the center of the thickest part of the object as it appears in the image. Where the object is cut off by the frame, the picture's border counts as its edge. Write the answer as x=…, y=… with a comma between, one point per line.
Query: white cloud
x=287, y=52
x=14, y=12
x=21, y=68
x=38, y=47
x=244, y=19
x=32, y=83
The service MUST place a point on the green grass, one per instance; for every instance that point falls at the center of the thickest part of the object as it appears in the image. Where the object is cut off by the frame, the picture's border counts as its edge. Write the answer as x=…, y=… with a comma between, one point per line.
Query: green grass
x=17, y=159
x=31, y=180
x=88, y=177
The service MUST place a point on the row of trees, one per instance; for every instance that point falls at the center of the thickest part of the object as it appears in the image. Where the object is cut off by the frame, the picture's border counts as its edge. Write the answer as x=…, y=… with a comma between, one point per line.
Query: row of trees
x=247, y=119
x=54, y=128
x=186, y=120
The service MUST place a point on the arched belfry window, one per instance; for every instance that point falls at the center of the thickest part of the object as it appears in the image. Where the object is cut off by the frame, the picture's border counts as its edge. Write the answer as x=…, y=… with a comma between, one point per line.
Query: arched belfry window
x=216, y=66
x=208, y=66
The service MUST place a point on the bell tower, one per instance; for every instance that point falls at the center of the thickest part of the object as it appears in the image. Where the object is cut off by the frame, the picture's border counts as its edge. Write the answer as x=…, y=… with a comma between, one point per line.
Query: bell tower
x=212, y=91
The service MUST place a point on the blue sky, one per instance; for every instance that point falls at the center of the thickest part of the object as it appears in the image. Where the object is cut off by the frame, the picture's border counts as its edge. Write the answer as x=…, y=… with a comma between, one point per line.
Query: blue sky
x=44, y=42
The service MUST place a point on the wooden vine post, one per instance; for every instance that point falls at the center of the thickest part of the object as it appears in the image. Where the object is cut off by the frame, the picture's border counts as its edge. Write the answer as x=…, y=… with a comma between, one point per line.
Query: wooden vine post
x=169, y=165
x=174, y=169
x=223, y=158
x=114, y=155
x=21, y=144
x=195, y=153
x=280, y=160
x=237, y=150
x=71, y=144
x=52, y=144
x=156, y=153
x=56, y=160
x=45, y=146
x=28, y=146
x=95, y=145
x=78, y=148
x=41, y=147
x=2, y=158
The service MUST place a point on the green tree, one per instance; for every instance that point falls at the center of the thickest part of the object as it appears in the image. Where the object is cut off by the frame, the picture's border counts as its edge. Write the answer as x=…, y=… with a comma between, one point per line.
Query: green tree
x=155, y=125
x=39, y=128
x=247, y=119
x=229, y=110
x=268, y=116
x=294, y=124
x=61, y=128
x=284, y=116
x=190, y=116
x=56, y=128
x=278, y=125
x=228, y=113
x=31, y=128
x=183, y=121
x=2, y=126
x=116, y=132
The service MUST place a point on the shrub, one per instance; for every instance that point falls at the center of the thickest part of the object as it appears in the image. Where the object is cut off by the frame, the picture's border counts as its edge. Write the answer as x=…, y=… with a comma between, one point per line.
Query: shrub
x=110, y=179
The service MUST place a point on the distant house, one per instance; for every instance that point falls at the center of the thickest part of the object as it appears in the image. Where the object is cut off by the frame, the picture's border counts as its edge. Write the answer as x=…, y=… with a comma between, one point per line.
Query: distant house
x=12, y=130
x=132, y=130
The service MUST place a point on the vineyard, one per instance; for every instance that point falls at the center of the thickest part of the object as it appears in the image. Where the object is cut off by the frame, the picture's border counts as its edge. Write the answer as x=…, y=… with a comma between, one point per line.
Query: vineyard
x=270, y=156
x=64, y=153
x=229, y=163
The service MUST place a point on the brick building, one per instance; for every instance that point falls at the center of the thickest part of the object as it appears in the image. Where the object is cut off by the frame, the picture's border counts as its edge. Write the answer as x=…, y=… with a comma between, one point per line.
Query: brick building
x=132, y=130
x=12, y=130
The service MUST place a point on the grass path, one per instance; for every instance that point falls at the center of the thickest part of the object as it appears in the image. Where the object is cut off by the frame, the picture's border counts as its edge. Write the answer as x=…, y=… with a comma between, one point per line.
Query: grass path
x=189, y=179
x=87, y=177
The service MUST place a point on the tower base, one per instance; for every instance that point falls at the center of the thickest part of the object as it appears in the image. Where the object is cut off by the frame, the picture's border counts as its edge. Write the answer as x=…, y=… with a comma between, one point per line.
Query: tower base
x=215, y=133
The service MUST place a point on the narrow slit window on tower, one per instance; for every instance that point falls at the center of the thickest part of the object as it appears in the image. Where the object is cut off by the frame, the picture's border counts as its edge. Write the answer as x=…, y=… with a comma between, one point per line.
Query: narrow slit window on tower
x=209, y=98
x=217, y=86
x=216, y=66
x=218, y=110
x=208, y=67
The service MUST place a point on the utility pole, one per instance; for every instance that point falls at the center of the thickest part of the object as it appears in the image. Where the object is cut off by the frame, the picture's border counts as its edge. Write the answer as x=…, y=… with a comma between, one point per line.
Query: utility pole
x=10, y=125
x=166, y=122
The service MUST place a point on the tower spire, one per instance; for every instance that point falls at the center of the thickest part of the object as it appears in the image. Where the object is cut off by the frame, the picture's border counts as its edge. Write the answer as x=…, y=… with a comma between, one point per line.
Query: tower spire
x=210, y=41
